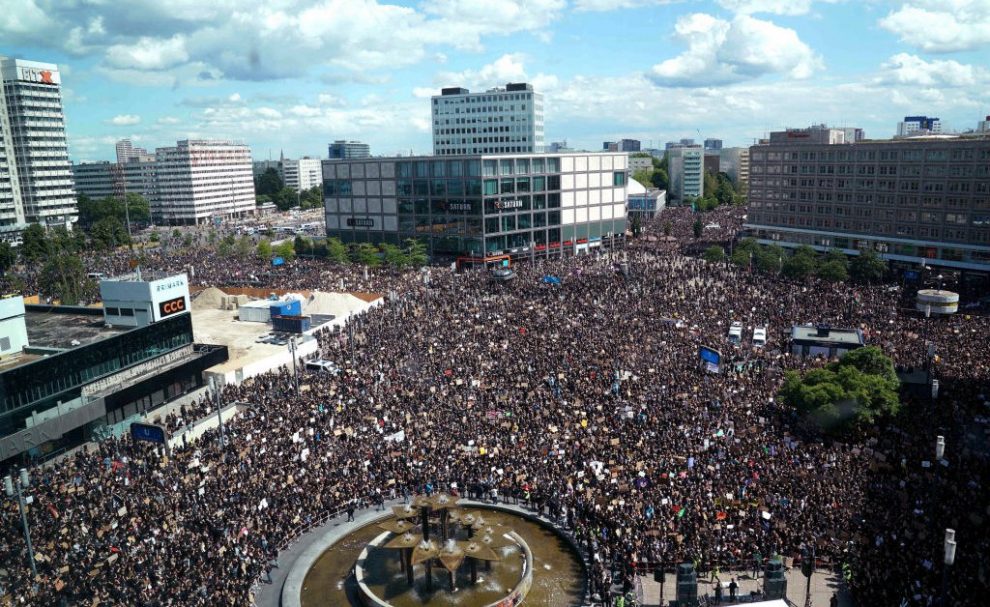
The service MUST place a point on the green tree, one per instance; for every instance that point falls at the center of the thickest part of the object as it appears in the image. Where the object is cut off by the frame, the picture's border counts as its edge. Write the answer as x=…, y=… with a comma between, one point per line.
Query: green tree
x=799, y=267
x=416, y=252
x=61, y=240
x=394, y=256
x=302, y=245
x=154, y=236
x=264, y=249
x=714, y=254
x=644, y=177
x=836, y=255
x=833, y=271
x=7, y=257
x=285, y=250
x=697, y=228
x=108, y=233
x=176, y=234
x=853, y=392
x=660, y=179
x=365, y=254
x=243, y=248
x=285, y=199
x=667, y=228
x=636, y=226
x=312, y=198
x=742, y=257
x=724, y=192
x=710, y=183
x=63, y=277
x=187, y=241
x=268, y=183
x=867, y=267
x=34, y=243
x=227, y=246
x=337, y=251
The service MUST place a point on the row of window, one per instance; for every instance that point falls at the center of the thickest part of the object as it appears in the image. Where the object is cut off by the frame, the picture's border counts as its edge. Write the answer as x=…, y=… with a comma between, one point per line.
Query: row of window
x=937, y=155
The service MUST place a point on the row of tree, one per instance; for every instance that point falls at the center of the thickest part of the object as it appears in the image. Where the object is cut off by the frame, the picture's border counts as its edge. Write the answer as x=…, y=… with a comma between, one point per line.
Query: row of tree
x=803, y=262
x=269, y=187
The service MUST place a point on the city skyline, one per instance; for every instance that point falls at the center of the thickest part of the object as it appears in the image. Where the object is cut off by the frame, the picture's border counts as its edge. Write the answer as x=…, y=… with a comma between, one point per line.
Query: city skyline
x=293, y=76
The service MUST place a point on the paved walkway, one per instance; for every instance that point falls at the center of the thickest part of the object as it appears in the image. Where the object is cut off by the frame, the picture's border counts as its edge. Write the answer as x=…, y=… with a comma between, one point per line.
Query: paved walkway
x=823, y=585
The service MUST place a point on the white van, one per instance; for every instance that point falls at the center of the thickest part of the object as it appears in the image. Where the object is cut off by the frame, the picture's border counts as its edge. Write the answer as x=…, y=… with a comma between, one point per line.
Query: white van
x=735, y=332
x=759, y=337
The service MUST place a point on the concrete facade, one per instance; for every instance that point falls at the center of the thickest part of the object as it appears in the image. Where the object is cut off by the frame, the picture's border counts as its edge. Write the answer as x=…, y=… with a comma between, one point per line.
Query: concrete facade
x=917, y=200
x=199, y=180
x=499, y=121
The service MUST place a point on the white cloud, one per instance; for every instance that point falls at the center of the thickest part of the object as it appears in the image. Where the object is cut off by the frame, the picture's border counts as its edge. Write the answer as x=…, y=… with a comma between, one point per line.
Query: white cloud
x=148, y=53
x=612, y=5
x=168, y=120
x=775, y=7
x=721, y=52
x=907, y=69
x=507, y=68
x=125, y=120
x=941, y=26
x=330, y=99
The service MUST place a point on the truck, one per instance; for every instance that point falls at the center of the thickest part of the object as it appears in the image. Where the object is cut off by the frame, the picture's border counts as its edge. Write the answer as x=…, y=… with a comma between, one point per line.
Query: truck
x=735, y=332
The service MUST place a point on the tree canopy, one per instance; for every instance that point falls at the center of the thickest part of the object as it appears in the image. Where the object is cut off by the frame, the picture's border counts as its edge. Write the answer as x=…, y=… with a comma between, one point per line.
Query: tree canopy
x=849, y=394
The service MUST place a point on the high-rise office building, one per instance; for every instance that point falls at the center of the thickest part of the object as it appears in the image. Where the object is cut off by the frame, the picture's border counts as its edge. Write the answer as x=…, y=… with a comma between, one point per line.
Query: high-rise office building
x=126, y=152
x=102, y=179
x=818, y=134
x=914, y=201
x=499, y=121
x=686, y=166
x=919, y=125
x=35, y=178
x=303, y=173
x=202, y=180
x=344, y=150
x=713, y=144
x=983, y=126
x=623, y=145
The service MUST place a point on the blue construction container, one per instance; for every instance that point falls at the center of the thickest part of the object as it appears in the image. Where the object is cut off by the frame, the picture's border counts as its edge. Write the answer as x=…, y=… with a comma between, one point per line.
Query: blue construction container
x=286, y=308
x=291, y=324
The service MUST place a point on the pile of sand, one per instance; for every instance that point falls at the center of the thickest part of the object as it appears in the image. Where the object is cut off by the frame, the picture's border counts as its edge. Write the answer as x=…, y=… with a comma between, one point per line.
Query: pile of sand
x=209, y=299
x=337, y=304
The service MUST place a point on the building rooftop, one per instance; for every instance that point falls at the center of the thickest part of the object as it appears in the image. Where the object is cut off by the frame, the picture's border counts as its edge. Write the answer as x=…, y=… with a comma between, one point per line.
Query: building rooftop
x=823, y=335
x=66, y=327
x=479, y=155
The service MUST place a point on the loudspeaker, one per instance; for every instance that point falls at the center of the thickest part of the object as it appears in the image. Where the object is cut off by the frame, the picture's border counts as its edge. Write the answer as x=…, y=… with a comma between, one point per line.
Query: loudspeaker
x=687, y=585
x=774, y=581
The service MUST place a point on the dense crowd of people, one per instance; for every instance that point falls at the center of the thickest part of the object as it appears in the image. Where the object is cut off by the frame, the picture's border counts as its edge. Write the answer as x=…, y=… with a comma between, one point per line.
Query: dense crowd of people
x=584, y=400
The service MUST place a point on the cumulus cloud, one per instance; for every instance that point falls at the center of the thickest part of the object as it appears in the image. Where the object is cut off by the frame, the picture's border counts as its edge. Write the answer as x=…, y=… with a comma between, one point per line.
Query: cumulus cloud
x=775, y=7
x=941, y=26
x=148, y=53
x=612, y=5
x=721, y=52
x=124, y=120
x=907, y=69
x=242, y=40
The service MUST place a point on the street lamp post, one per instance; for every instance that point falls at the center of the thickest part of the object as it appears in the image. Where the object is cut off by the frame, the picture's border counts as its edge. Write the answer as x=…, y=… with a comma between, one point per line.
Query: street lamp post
x=16, y=486
x=216, y=387
x=949, y=546
x=292, y=350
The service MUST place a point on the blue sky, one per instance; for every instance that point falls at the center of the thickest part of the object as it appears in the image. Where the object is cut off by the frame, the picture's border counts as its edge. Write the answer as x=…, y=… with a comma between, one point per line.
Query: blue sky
x=295, y=74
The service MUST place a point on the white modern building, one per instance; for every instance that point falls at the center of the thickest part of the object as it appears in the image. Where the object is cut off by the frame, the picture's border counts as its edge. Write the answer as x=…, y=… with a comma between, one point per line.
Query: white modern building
x=35, y=179
x=983, y=126
x=101, y=179
x=480, y=206
x=126, y=152
x=919, y=125
x=499, y=121
x=302, y=174
x=686, y=167
x=734, y=162
x=640, y=163
x=13, y=332
x=198, y=181
x=133, y=301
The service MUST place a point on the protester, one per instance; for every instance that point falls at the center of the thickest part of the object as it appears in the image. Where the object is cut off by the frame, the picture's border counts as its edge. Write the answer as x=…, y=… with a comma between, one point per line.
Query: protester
x=582, y=400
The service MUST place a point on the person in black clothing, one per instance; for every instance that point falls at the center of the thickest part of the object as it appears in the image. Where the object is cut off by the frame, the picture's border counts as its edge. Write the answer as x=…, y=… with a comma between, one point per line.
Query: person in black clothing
x=733, y=588
x=350, y=511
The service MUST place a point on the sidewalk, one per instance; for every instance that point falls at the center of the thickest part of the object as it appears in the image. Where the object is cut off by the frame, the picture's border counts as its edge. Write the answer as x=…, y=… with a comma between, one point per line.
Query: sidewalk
x=823, y=585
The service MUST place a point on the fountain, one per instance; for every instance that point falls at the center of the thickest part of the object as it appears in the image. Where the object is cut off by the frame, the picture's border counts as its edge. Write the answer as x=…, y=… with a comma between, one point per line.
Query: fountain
x=400, y=553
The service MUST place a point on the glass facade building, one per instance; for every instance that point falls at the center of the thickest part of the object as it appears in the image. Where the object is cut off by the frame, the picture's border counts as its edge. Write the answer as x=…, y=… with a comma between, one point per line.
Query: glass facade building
x=59, y=379
x=475, y=206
